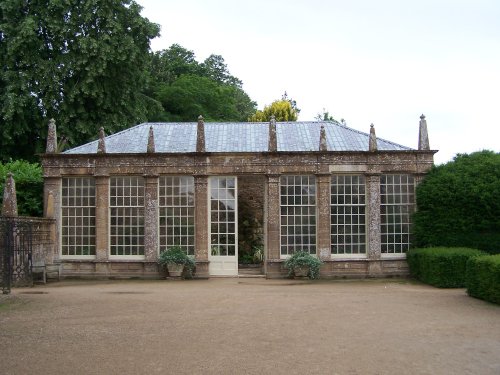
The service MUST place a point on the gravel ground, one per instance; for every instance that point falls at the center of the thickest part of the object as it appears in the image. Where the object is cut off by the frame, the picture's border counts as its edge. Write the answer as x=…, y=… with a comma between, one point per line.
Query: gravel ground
x=247, y=326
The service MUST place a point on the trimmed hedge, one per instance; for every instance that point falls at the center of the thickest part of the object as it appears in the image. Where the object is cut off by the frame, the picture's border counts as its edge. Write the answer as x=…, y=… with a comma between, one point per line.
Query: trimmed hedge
x=482, y=278
x=458, y=205
x=443, y=267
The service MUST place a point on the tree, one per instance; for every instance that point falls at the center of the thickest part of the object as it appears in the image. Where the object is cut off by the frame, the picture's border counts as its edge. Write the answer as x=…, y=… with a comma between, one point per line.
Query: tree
x=191, y=95
x=282, y=110
x=169, y=64
x=458, y=204
x=215, y=67
x=186, y=89
x=80, y=62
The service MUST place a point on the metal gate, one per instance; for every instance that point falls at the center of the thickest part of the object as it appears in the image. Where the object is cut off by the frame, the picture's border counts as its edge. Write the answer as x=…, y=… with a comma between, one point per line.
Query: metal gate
x=15, y=253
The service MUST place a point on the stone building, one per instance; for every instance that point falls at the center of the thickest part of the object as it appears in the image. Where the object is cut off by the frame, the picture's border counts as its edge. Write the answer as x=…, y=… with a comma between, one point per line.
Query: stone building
x=341, y=194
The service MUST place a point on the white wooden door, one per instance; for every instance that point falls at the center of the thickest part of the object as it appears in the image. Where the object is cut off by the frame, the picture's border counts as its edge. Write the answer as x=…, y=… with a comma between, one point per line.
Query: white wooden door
x=223, y=254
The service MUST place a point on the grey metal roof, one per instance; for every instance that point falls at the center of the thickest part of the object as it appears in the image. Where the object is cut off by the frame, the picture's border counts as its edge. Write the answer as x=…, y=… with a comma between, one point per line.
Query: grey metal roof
x=237, y=137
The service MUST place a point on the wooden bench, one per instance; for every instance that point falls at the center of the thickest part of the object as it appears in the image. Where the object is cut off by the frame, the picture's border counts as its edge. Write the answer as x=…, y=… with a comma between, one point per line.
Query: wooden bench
x=38, y=271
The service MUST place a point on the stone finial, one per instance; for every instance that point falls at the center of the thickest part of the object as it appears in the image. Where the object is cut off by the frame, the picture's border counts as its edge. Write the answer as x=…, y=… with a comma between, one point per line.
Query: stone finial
x=423, y=136
x=372, y=146
x=273, y=139
x=9, y=206
x=322, y=139
x=51, y=147
x=151, y=141
x=101, y=145
x=200, y=136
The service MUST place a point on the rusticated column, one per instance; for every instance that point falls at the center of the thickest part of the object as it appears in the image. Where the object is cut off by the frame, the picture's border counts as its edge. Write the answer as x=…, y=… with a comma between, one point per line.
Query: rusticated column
x=102, y=217
x=52, y=209
x=374, y=247
x=201, y=225
x=323, y=224
x=151, y=218
x=273, y=217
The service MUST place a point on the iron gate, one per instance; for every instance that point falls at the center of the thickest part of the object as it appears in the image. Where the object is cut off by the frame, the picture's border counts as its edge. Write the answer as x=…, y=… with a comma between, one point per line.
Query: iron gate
x=15, y=253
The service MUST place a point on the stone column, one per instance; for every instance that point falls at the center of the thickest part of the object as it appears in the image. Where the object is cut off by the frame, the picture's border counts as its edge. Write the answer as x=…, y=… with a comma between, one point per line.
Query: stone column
x=9, y=203
x=273, y=217
x=102, y=218
x=323, y=223
x=52, y=209
x=374, y=247
x=201, y=225
x=151, y=219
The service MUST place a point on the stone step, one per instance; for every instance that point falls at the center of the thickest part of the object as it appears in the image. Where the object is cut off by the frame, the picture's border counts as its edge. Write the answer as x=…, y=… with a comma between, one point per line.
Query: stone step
x=247, y=276
x=250, y=271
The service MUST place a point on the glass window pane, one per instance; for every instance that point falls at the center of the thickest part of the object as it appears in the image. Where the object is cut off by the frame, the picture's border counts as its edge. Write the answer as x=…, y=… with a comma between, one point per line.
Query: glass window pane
x=176, y=196
x=127, y=215
x=397, y=205
x=78, y=216
x=347, y=211
x=298, y=214
x=223, y=228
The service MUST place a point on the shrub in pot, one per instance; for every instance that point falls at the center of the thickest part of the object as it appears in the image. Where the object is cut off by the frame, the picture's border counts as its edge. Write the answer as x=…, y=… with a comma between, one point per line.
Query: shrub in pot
x=177, y=261
x=302, y=263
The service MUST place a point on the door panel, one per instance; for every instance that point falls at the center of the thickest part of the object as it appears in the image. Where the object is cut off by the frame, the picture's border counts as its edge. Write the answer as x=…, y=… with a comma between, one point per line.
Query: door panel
x=223, y=226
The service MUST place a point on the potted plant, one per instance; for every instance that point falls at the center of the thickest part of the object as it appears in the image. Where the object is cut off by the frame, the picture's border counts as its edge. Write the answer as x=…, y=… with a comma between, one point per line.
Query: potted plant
x=176, y=260
x=301, y=263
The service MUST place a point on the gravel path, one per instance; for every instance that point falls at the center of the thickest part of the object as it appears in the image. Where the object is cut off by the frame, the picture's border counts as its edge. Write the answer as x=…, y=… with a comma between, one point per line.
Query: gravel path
x=247, y=326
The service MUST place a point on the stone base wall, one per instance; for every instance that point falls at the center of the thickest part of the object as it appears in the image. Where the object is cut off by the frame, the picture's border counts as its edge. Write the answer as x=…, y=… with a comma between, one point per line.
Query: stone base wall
x=338, y=269
x=43, y=241
x=89, y=269
x=43, y=245
x=109, y=269
x=346, y=269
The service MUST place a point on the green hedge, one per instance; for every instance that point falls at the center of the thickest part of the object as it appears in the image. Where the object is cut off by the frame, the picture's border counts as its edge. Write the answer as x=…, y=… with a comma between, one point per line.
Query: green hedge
x=29, y=186
x=483, y=278
x=458, y=205
x=443, y=267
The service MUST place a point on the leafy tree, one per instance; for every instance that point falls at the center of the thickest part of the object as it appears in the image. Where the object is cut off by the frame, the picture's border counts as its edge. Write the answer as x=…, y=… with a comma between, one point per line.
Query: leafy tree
x=191, y=95
x=215, y=68
x=186, y=89
x=458, y=203
x=282, y=110
x=168, y=65
x=29, y=186
x=80, y=62
x=293, y=103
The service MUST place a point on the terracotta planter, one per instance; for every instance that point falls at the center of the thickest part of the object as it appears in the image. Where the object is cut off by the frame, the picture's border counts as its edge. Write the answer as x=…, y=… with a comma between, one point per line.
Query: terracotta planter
x=174, y=269
x=301, y=271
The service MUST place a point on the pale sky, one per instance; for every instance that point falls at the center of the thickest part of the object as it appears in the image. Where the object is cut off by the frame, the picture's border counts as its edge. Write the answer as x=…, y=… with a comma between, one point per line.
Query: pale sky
x=383, y=62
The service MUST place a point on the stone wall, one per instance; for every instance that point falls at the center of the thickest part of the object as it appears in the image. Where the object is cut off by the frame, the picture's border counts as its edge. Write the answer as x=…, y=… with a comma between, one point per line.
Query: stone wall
x=43, y=239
